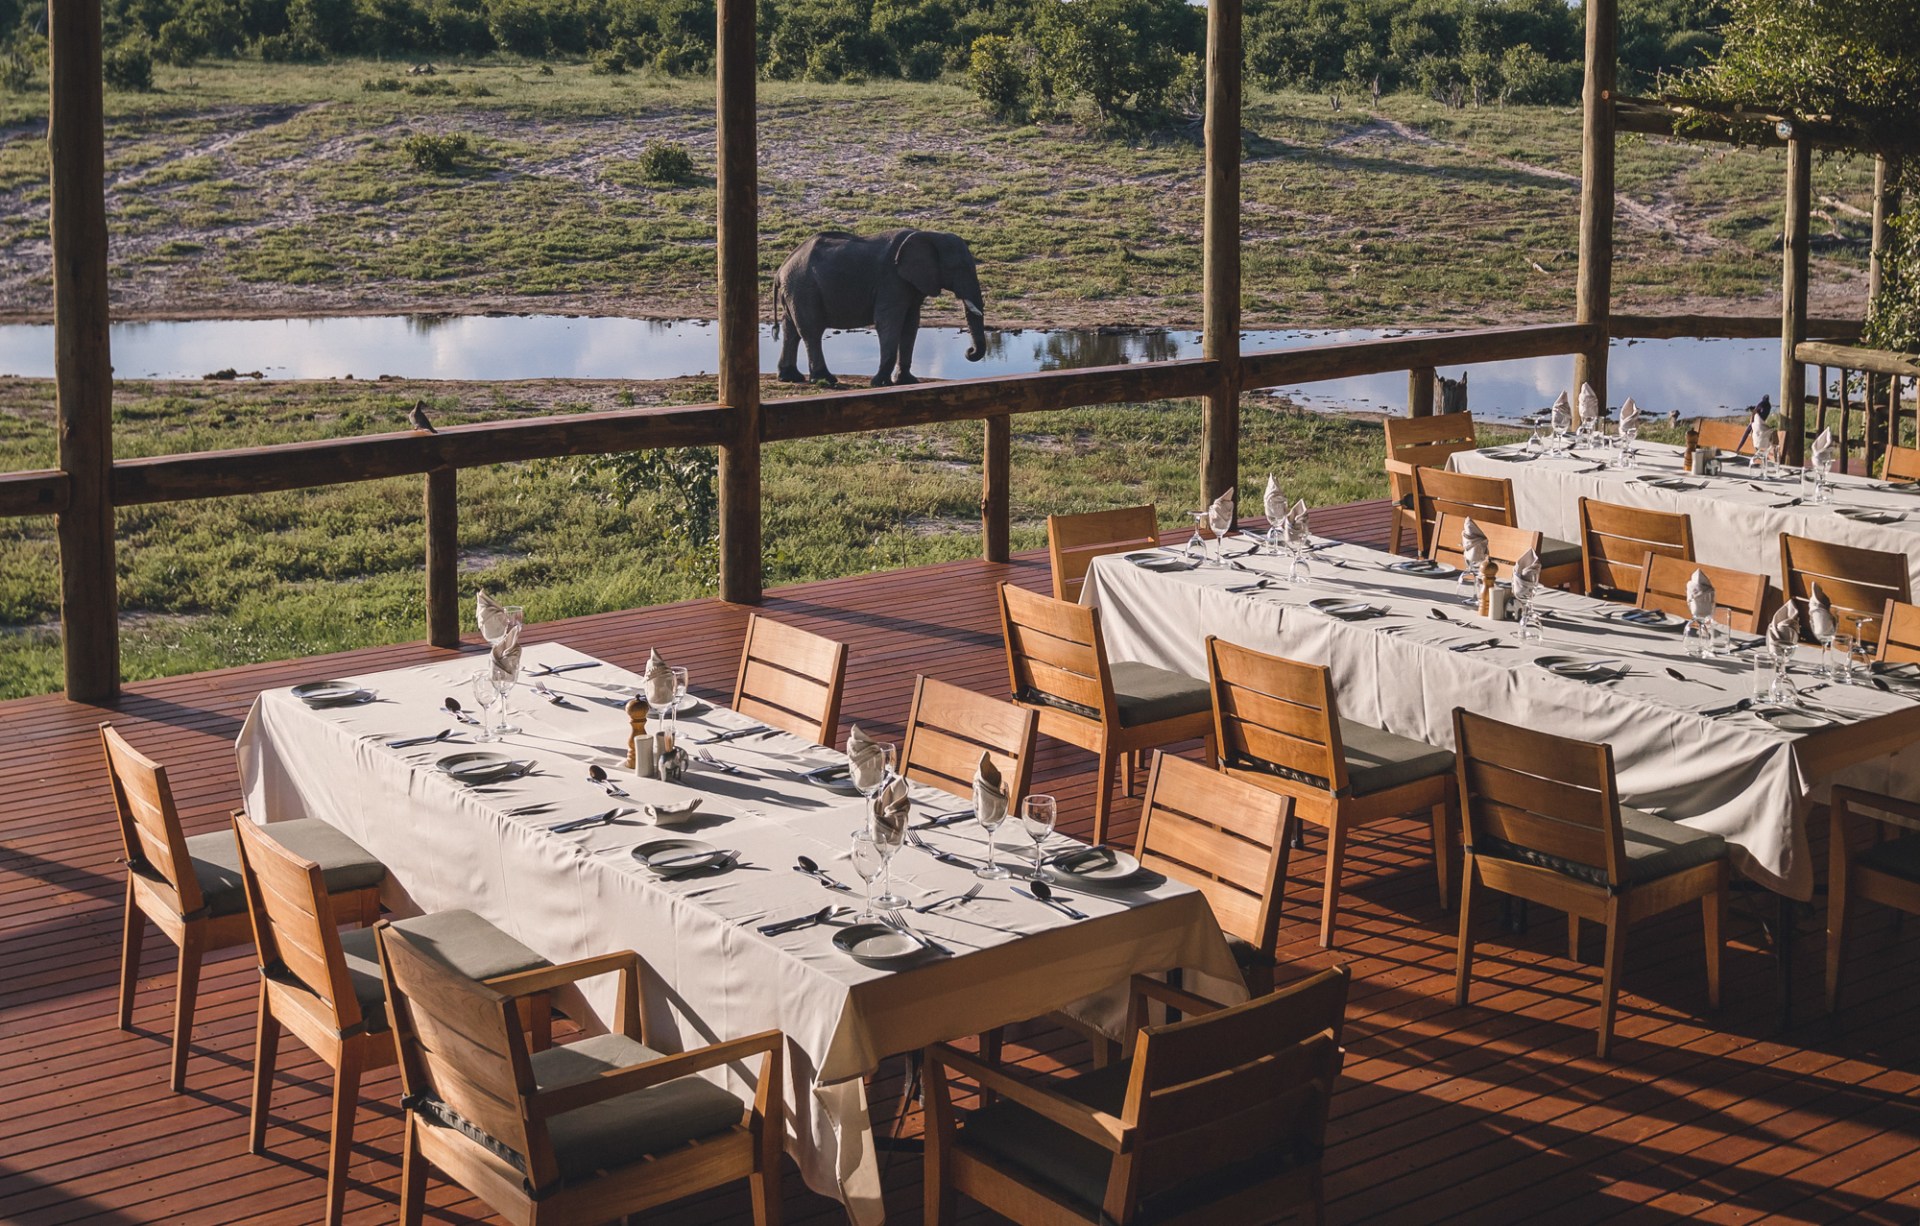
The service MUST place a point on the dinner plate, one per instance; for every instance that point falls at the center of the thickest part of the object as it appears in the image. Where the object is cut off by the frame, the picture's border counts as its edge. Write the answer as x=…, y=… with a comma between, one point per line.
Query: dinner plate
x=1425, y=568
x=331, y=693
x=1159, y=561
x=875, y=944
x=1672, y=483
x=1646, y=617
x=1794, y=721
x=1098, y=871
x=1861, y=515
x=835, y=777
x=671, y=849
x=1579, y=669
x=1346, y=610
x=480, y=766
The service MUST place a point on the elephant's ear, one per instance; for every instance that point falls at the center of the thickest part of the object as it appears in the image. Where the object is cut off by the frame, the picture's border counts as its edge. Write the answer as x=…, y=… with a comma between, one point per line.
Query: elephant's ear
x=918, y=263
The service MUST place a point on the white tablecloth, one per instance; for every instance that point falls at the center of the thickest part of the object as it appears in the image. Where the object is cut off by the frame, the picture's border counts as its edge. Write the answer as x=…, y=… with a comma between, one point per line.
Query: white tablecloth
x=1736, y=775
x=711, y=974
x=1737, y=519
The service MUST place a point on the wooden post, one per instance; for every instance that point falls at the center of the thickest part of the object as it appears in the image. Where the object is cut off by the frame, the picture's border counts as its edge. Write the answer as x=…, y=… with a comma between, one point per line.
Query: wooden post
x=443, y=557
x=1220, y=257
x=996, y=495
x=1594, y=289
x=1886, y=174
x=1793, y=295
x=1420, y=391
x=738, y=240
x=82, y=361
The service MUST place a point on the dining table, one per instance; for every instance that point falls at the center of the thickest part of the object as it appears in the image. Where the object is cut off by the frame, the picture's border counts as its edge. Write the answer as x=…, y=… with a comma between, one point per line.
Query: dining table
x=1738, y=514
x=1691, y=741
x=552, y=855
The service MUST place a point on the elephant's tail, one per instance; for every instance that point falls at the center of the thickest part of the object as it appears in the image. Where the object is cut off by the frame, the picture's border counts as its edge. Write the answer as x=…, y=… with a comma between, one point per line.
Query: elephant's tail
x=779, y=314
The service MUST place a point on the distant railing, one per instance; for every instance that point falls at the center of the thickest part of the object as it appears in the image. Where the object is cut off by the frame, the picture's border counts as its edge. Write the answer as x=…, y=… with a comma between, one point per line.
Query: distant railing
x=1883, y=374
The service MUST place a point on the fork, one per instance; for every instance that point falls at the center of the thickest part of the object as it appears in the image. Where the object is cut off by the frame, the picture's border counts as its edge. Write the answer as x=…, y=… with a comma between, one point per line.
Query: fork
x=899, y=924
x=972, y=893
x=704, y=756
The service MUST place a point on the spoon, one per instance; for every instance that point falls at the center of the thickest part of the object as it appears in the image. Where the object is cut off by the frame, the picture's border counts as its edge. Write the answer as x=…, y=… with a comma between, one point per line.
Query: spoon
x=806, y=865
x=599, y=775
x=1437, y=615
x=411, y=741
x=453, y=705
x=794, y=925
x=1044, y=893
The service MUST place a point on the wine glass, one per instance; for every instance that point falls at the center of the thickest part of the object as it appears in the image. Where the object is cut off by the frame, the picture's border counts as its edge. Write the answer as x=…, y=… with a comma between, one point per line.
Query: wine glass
x=488, y=698
x=1196, y=546
x=992, y=871
x=679, y=700
x=882, y=773
x=1828, y=670
x=1038, y=814
x=1864, y=648
x=1629, y=436
x=1298, y=540
x=510, y=616
x=503, y=670
x=888, y=837
x=868, y=861
x=1530, y=628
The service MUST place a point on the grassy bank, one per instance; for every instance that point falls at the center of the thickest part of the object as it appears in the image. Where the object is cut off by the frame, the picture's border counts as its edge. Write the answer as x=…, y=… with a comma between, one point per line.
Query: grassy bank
x=271, y=576
x=240, y=188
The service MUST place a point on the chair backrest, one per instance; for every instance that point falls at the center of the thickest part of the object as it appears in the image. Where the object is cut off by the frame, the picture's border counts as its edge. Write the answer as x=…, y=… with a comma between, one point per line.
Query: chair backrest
x=1536, y=792
x=1856, y=580
x=149, y=823
x=1224, y=837
x=1074, y=541
x=1437, y=492
x=461, y=1044
x=294, y=928
x=1427, y=442
x=1903, y=463
x=791, y=679
x=948, y=728
x=1504, y=544
x=1900, y=633
x=1731, y=434
x=1224, y=1097
x=1276, y=718
x=1615, y=541
x=1055, y=655
x=1663, y=586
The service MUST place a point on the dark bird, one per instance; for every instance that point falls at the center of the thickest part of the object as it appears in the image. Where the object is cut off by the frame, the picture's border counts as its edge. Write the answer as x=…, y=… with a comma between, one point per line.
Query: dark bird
x=1673, y=417
x=418, y=419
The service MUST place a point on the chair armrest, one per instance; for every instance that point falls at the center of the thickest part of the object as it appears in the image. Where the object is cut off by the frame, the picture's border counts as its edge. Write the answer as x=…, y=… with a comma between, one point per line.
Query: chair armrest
x=1107, y=1131
x=546, y=1104
x=547, y=978
x=1854, y=800
x=1167, y=994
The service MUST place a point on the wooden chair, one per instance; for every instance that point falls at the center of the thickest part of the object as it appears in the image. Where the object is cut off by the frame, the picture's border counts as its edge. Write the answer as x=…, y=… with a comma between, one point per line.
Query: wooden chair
x=190, y=888
x=1488, y=501
x=1545, y=823
x=584, y=1132
x=1057, y=666
x=1663, y=586
x=1615, y=542
x=1074, y=541
x=1899, y=633
x=1420, y=442
x=1504, y=544
x=1902, y=464
x=327, y=988
x=1856, y=580
x=1279, y=727
x=791, y=680
x=948, y=728
x=1219, y=1118
x=1878, y=868
x=1228, y=839
x=1729, y=434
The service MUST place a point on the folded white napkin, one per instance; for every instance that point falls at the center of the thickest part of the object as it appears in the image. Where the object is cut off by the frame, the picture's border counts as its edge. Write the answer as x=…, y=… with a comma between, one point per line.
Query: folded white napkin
x=1629, y=414
x=866, y=759
x=1784, y=629
x=506, y=651
x=1220, y=514
x=657, y=681
x=1275, y=501
x=1700, y=597
x=989, y=792
x=1526, y=574
x=1820, y=613
x=1822, y=451
x=1473, y=544
x=890, y=810
x=1762, y=437
x=1561, y=413
x=1589, y=405
x=491, y=616
x=1297, y=521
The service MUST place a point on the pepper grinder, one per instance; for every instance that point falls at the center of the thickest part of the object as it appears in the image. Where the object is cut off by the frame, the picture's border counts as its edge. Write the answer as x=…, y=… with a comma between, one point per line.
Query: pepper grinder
x=1487, y=572
x=636, y=710
x=1693, y=445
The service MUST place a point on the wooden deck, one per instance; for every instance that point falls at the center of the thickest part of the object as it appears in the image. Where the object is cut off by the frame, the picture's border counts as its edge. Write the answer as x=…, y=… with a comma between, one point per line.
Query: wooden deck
x=1493, y=1113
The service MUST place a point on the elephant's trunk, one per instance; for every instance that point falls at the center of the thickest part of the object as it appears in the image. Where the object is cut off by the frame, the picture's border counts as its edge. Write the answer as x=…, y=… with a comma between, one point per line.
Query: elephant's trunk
x=977, y=324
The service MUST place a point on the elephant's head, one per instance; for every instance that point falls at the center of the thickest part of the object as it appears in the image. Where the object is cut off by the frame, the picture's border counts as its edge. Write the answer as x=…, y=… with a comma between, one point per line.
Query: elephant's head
x=932, y=261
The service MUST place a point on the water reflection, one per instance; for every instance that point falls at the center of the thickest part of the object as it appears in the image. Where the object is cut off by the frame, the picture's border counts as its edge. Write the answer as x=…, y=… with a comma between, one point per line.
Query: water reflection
x=1690, y=376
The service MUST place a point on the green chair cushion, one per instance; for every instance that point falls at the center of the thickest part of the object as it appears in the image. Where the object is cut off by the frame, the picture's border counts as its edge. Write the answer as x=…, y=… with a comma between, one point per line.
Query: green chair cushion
x=1148, y=695
x=457, y=939
x=1555, y=553
x=1377, y=761
x=1896, y=857
x=345, y=865
x=620, y=1131
x=1655, y=848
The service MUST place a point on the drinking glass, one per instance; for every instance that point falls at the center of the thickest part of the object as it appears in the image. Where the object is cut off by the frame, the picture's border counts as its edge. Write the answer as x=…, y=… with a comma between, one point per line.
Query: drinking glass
x=1842, y=669
x=868, y=861
x=1038, y=814
x=992, y=871
x=1828, y=670
x=679, y=675
x=1697, y=638
x=888, y=838
x=1721, y=643
x=882, y=775
x=1860, y=657
x=1629, y=436
x=488, y=698
x=1530, y=628
x=1762, y=673
x=502, y=674
x=1299, y=540
x=1196, y=547
x=512, y=615
x=1782, y=691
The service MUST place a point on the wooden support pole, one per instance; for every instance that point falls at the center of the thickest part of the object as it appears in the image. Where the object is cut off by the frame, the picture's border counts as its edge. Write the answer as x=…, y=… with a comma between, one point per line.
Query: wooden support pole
x=1220, y=257
x=1594, y=289
x=1420, y=391
x=996, y=493
x=82, y=361
x=1793, y=296
x=738, y=240
x=1886, y=175
x=443, y=557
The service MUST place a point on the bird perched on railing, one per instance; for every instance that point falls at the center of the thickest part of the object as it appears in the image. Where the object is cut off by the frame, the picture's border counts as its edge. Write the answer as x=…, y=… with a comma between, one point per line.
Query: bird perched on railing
x=418, y=419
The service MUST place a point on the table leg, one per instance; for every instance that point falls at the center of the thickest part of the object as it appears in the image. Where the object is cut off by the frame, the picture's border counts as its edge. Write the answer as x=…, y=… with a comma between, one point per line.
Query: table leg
x=1783, y=957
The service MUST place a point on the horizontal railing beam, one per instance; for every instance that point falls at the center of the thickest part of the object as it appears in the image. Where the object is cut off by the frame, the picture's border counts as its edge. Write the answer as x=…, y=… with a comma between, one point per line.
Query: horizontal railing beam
x=1852, y=357
x=39, y=491
x=288, y=466
x=1724, y=327
x=1349, y=359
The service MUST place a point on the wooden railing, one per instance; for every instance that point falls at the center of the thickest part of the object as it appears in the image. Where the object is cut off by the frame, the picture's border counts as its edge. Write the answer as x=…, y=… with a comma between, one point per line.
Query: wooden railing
x=1883, y=375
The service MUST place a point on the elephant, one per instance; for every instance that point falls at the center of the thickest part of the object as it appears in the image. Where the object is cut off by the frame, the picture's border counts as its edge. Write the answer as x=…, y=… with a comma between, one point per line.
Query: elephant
x=841, y=280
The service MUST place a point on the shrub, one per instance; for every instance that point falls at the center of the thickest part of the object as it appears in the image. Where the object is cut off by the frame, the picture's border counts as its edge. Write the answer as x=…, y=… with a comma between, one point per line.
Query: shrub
x=1531, y=77
x=665, y=161
x=999, y=72
x=291, y=48
x=16, y=71
x=439, y=153
x=431, y=87
x=608, y=63
x=381, y=85
x=129, y=66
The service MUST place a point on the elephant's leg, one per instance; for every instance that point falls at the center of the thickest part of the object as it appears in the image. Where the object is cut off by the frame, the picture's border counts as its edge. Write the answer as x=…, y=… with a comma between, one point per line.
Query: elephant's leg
x=889, y=331
x=817, y=371
x=789, y=347
x=909, y=329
